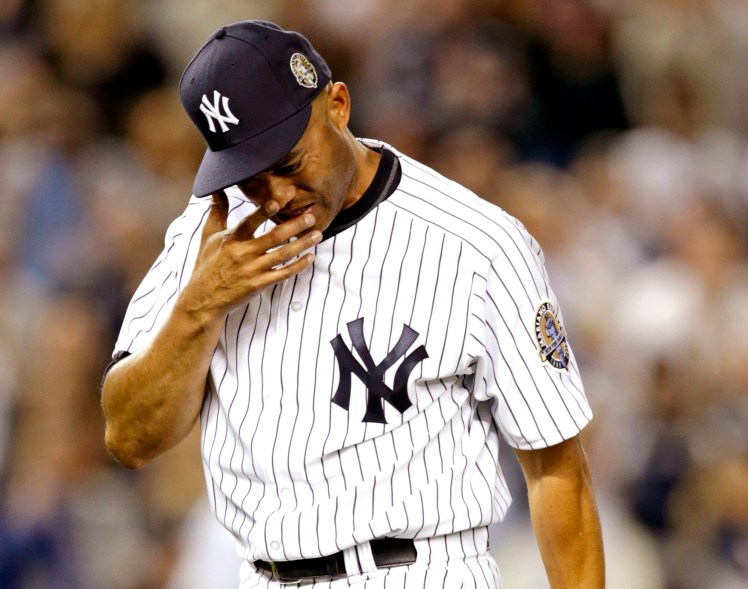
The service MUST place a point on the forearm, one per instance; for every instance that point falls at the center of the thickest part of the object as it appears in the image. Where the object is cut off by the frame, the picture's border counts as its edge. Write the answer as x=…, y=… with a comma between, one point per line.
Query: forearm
x=566, y=521
x=152, y=398
x=568, y=535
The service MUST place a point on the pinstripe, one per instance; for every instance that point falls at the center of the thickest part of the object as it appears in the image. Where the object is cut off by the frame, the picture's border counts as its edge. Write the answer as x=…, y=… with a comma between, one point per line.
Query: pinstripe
x=206, y=418
x=191, y=240
x=478, y=212
x=244, y=419
x=332, y=360
x=299, y=403
x=510, y=406
x=355, y=502
x=234, y=397
x=399, y=277
x=251, y=397
x=410, y=321
x=208, y=448
x=485, y=579
x=160, y=260
x=319, y=329
x=281, y=426
x=381, y=270
x=433, y=300
x=149, y=312
x=262, y=410
x=465, y=481
x=137, y=299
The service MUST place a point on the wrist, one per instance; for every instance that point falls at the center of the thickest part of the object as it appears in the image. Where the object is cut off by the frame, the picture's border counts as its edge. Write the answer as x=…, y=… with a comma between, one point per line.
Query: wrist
x=197, y=314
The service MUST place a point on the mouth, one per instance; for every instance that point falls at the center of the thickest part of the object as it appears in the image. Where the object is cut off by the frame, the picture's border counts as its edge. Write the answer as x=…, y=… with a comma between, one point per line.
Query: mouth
x=287, y=215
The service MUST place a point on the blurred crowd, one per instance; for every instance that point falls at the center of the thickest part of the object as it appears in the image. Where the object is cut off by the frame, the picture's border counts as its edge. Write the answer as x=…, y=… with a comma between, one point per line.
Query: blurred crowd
x=616, y=130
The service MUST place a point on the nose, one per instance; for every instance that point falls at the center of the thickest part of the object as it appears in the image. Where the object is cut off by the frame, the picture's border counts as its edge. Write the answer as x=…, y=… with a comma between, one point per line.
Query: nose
x=281, y=190
x=265, y=187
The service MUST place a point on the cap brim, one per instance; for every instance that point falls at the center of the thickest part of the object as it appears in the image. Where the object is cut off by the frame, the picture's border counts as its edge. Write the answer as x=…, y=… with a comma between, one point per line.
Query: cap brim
x=224, y=168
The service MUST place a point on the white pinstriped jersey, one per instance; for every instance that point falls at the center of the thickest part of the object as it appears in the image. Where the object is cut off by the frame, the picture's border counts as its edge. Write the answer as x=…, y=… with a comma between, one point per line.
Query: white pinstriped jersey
x=365, y=396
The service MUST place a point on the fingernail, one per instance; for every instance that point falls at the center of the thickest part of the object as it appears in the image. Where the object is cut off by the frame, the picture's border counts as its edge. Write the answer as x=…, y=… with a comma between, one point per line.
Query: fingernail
x=315, y=236
x=308, y=220
x=271, y=207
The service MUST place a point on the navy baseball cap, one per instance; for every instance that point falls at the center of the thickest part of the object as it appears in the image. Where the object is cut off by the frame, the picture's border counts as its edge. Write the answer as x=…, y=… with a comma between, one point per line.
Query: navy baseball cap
x=249, y=90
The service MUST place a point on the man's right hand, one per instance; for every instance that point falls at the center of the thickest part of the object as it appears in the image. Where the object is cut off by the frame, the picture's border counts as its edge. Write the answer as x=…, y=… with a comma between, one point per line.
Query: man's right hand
x=234, y=264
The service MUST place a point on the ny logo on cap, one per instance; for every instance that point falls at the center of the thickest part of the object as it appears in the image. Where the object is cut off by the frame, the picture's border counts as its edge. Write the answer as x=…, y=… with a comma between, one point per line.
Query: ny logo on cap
x=213, y=111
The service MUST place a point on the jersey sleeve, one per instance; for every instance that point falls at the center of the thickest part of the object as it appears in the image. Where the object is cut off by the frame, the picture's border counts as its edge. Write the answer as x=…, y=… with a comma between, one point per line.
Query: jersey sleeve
x=527, y=368
x=157, y=293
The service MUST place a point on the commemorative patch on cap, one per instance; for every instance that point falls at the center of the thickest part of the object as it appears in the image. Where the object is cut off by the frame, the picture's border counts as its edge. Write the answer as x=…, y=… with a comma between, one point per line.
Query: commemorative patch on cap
x=551, y=337
x=303, y=70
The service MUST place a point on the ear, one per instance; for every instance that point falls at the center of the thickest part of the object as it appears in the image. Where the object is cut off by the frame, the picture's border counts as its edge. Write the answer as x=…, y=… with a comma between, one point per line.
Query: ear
x=338, y=105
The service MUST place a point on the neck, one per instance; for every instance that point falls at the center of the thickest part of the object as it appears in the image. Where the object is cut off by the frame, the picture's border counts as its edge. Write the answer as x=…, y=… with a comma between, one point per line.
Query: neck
x=367, y=162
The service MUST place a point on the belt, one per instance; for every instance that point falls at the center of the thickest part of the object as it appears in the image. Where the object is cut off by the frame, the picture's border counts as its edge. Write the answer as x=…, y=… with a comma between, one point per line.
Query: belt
x=387, y=552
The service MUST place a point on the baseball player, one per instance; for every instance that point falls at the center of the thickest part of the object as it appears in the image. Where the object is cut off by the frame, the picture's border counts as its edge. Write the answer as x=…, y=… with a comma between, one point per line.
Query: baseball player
x=354, y=333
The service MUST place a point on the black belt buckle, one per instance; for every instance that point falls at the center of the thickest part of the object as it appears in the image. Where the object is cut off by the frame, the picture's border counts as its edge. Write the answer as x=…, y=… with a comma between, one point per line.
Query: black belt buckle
x=278, y=576
x=284, y=580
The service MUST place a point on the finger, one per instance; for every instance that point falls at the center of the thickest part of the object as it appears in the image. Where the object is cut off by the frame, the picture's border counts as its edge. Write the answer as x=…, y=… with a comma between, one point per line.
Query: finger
x=247, y=227
x=284, y=253
x=217, y=216
x=284, y=272
x=280, y=234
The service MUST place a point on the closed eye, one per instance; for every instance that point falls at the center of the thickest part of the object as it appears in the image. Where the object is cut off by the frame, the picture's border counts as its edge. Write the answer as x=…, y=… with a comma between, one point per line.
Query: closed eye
x=289, y=169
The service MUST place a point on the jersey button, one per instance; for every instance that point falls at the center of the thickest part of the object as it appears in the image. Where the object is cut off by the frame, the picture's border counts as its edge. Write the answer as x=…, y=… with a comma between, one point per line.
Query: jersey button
x=296, y=306
x=275, y=545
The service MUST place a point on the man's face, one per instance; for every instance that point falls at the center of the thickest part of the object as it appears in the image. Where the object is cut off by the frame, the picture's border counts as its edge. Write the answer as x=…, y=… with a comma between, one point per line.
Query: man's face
x=316, y=176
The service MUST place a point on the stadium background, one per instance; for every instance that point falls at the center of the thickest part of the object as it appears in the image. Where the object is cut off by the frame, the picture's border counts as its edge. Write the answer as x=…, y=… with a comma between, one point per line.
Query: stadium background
x=616, y=130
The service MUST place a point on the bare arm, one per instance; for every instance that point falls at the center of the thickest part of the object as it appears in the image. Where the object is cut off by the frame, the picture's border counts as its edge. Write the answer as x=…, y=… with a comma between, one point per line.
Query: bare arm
x=564, y=515
x=152, y=398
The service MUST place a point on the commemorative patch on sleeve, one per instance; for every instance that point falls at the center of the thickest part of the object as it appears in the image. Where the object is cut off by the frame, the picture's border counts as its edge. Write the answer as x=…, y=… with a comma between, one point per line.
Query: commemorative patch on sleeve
x=551, y=337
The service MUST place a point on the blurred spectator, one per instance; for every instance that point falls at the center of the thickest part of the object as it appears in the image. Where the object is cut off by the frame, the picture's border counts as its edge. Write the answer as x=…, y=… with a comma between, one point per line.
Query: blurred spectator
x=98, y=47
x=13, y=17
x=176, y=28
x=576, y=92
x=51, y=536
x=473, y=156
x=694, y=41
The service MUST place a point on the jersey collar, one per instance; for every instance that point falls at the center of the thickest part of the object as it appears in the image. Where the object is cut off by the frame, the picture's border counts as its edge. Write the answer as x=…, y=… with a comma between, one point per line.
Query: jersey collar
x=385, y=182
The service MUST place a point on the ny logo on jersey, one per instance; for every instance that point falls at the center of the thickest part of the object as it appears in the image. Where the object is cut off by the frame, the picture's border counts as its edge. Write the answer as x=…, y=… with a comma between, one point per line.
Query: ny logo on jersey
x=213, y=111
x=372, y=375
